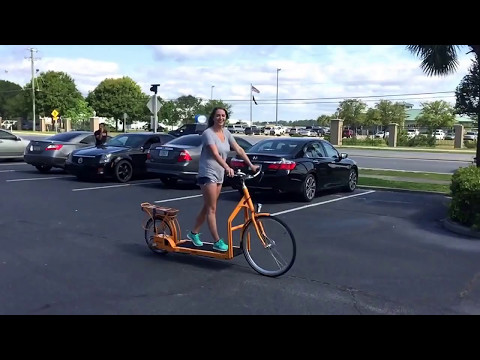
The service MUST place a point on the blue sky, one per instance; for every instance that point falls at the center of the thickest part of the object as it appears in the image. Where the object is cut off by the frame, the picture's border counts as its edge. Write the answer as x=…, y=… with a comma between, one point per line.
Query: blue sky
x=312, y=81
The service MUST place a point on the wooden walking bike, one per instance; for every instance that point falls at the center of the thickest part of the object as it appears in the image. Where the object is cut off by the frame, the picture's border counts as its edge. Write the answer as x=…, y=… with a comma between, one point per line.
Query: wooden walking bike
x=266, y=241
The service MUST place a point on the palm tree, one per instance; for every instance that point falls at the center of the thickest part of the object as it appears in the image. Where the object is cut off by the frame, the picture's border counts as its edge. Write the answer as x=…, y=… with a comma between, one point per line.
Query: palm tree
x=442, y=60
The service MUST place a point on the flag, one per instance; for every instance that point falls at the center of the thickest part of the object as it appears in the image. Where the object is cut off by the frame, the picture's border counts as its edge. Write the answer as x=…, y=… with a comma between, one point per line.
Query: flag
x=254, y=100
x=254, y=89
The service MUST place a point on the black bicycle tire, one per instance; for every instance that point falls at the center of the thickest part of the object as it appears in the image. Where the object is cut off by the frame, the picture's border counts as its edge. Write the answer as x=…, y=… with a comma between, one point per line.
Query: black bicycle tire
x=147, y=226
x=249, y=258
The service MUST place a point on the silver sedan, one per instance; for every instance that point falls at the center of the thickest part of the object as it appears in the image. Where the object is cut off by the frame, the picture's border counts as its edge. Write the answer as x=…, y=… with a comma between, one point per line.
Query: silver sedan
x=11, y=145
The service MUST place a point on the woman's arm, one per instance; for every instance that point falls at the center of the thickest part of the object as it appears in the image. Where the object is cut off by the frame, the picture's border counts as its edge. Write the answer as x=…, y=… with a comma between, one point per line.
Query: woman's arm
x=239, y=150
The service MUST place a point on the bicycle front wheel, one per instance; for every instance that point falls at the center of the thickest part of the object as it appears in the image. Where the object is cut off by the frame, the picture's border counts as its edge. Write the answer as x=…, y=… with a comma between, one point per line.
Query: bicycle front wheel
x=269, y=247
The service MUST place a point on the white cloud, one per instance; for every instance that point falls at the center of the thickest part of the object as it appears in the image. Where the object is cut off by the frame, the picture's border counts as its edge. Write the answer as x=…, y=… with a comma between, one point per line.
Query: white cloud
x=310, y=76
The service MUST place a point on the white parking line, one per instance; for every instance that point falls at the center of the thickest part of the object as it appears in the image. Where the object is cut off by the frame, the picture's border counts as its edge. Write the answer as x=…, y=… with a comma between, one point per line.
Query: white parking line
x=114, y=186
x=42, y=178
x=2, y=171
x=322, y=203
x=10, y=163
x=190, y=197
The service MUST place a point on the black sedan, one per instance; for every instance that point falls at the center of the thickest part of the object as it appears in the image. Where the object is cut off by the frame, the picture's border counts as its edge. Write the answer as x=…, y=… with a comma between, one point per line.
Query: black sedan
x=121, y=157
x=302, y=166
x=53, y=151
x=178, y=160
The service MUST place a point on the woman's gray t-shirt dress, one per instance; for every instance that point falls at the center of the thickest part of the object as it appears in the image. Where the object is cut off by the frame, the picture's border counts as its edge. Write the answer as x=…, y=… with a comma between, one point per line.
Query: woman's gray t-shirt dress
x=209, y=167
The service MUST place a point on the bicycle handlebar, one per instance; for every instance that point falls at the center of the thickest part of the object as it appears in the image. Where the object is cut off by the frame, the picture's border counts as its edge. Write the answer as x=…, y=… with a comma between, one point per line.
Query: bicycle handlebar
x=246, y=176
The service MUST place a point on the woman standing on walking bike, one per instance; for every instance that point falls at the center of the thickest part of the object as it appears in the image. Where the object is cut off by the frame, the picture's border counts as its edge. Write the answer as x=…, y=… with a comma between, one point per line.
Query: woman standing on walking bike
x=217, y=141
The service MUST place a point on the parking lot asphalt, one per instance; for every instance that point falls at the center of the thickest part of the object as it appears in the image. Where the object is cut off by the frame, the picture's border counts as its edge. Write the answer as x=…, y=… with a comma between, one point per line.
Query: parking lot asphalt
x=77, y=247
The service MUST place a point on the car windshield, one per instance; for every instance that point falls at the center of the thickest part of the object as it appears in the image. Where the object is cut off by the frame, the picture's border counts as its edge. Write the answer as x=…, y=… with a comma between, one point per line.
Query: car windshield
x=127, y=140
x=275, y=147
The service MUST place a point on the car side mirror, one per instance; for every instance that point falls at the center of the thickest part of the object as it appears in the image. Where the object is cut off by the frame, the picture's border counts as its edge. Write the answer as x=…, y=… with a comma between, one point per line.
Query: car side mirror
x=343, y=156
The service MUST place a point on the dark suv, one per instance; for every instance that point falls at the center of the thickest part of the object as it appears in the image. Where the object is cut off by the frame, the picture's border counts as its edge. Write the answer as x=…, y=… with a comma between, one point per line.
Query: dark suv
x=187, y=129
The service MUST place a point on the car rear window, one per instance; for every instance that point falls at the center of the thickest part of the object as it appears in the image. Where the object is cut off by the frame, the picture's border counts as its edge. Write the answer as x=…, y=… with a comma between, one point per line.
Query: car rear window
x=187, y=141
x=274, y=147
x=67, y=136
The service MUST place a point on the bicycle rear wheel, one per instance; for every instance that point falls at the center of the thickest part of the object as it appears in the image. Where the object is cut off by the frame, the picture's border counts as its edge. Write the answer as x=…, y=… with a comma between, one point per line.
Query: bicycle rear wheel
x=163, y=229
x=272, y=250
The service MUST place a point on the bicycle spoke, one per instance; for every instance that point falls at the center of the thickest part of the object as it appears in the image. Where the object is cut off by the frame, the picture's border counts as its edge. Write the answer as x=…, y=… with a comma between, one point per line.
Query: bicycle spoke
x=271, y=250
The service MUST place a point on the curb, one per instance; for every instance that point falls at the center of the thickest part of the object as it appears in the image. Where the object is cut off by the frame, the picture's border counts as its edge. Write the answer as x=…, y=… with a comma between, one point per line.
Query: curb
x=402, y=190
x=460, y=229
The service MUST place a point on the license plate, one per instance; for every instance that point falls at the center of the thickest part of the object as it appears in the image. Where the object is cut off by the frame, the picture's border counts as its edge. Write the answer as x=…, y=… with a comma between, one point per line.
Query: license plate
x=36, y=148
x=163, y=153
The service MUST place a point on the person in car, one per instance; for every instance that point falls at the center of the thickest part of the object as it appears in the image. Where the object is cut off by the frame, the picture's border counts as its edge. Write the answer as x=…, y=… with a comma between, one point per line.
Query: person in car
x=217, y=141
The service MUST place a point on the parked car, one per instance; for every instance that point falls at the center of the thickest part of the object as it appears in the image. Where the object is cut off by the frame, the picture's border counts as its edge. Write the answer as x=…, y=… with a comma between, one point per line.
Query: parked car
x=187, y=129
x=306, y=132
x=302, y=166
x=411, y=133
x=450, y=135
x=121, y=157
x=236, y=129
x=178, y=160
x=295, y=130
x=253, y=130
x=277, y=131
x=439, y=134
x=381, y=135
x=347, y=133
x=470, y=135
x=11, y=145
x=53, y=151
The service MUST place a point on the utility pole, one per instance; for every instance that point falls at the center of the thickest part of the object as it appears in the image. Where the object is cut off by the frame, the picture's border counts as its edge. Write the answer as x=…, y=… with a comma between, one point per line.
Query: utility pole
x=276, y=102
x=32, y=60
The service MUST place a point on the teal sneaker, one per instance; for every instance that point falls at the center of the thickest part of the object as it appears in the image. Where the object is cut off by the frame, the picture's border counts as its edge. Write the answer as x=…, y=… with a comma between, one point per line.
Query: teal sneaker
x=220, y=246
x=195, y=238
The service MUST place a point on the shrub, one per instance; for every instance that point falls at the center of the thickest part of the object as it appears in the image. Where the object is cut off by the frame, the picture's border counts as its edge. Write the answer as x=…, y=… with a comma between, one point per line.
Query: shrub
x=470, y=144
x=465, y=190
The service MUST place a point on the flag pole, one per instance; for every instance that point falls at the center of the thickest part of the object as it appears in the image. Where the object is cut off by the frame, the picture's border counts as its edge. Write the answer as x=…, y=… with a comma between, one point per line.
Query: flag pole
x=251, y=95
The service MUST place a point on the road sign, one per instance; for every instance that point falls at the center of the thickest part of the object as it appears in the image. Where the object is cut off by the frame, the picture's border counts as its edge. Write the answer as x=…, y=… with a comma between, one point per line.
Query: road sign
x=150, y=104
x=55, y=118
x=55, y=114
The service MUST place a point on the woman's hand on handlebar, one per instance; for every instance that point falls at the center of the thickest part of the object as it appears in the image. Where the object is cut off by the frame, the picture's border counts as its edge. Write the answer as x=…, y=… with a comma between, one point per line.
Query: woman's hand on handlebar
x=230, y=172
x=254, y=168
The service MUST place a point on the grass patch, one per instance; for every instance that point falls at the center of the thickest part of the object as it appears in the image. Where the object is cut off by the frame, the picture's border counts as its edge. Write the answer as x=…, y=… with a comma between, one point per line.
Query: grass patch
x=405, y=185
x=407, y=174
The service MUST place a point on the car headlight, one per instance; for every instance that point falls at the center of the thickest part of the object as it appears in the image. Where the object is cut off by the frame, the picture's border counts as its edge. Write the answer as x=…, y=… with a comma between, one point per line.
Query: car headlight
x=105, y=158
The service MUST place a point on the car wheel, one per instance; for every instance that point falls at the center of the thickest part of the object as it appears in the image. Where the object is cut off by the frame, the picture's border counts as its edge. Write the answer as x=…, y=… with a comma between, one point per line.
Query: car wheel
x=168, y=181
x=309, y=188
x=352, y=181
x=123, y=171
x=44, y=169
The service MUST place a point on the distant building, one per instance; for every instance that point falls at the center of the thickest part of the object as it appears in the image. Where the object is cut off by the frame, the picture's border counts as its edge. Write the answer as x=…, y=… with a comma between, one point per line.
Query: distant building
x=412, y=114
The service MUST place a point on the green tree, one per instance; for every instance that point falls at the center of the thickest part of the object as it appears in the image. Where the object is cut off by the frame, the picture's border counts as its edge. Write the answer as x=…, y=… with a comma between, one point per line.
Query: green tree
x=11, y=100
x=324, y=120
x=391, y=113
x=443, y=60
x=54, y=91
x=168, y=114
x=352, y=111
x=79, y=114
x=114, y=97
x=436, y=114
x=208, y=107
x=466, y=94
x=187, y=107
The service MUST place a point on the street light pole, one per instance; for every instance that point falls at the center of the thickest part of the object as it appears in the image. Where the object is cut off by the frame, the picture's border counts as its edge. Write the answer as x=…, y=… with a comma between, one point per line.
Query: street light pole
x=32, y=59
x=276, y=111
x=211, y=92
